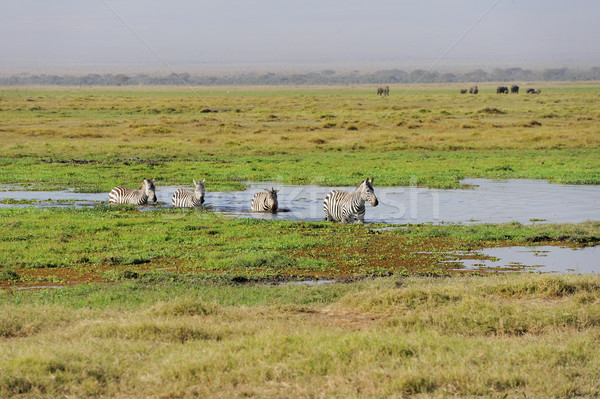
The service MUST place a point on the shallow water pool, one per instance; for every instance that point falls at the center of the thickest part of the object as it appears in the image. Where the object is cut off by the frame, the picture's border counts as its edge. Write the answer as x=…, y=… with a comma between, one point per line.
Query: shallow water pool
x=487, y=201
x=546, y=259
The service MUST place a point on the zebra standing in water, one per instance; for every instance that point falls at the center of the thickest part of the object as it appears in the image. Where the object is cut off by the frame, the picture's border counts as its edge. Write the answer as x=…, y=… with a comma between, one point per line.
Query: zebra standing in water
x=265, y=202
x=126, y=195
x=183, y=198
x=343, y=206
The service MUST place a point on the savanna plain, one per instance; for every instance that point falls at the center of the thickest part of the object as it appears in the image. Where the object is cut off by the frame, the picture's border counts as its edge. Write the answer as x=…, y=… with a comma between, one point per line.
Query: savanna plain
x=114, y=301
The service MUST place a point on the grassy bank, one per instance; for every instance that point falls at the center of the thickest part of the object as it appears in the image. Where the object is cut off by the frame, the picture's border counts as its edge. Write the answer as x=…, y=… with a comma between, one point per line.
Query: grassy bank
x=64, y=246
x=499, y=336
x=436, y=169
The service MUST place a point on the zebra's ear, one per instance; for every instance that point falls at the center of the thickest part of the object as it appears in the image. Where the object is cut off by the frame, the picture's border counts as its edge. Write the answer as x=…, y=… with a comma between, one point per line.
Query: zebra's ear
x=371, y=182
x=153, y=180
x=203, y=180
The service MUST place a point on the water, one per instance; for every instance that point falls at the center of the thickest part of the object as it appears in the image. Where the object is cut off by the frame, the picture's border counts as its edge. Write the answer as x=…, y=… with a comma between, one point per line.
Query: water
x=51, y=198
x=488, y=201
x=543, y=259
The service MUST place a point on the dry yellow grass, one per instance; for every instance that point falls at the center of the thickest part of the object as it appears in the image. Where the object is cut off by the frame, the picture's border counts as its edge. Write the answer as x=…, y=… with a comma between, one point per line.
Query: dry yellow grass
x=503, y=336
x=295, y=120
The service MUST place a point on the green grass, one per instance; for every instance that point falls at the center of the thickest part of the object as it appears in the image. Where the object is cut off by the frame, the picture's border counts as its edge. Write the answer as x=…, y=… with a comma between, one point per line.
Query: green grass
x=439, y=169
x=509, y=335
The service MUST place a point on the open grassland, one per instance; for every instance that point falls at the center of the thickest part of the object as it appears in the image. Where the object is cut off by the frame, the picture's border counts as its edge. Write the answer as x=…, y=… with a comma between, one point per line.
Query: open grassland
x=515, y=336
x=96, y=138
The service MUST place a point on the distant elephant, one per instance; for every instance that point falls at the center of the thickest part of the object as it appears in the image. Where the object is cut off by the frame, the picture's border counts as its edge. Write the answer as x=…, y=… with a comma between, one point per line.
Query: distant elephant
x=383, y=91
x=502, y=90
x=533, y=91
x=473, y=90
x=514, y=89
x=463, y=91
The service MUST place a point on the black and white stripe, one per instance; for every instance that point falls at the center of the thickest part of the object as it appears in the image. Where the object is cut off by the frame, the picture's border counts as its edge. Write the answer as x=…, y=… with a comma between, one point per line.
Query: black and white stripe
x=346, y=207
x=183, y=198
x=265, y=202
x=126, y=195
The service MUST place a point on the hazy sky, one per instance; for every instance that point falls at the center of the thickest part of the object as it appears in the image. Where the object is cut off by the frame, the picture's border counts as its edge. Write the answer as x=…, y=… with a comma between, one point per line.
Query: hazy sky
x=163, y=35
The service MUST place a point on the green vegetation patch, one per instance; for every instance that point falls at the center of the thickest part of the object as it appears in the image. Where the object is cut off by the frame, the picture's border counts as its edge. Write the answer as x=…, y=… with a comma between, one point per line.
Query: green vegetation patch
x=85, y=245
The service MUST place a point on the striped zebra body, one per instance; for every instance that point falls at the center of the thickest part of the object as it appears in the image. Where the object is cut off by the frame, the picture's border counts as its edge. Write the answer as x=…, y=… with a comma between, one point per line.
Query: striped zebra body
x=347, y=207
x=265, y=202
x=183, y=198
x=126, y=195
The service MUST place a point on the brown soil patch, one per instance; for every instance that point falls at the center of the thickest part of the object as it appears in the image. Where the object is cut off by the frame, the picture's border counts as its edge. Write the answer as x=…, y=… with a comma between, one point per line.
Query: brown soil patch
x=381, y=253
x=65, y=276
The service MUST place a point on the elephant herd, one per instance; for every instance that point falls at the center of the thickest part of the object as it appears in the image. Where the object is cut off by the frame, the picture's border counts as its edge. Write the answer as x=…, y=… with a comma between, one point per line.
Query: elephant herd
x=514, y=89
x=472, y=90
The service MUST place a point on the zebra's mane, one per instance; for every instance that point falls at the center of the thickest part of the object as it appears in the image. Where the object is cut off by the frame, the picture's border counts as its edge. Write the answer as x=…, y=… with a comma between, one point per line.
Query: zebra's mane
x=142, y=184
x=366, y=183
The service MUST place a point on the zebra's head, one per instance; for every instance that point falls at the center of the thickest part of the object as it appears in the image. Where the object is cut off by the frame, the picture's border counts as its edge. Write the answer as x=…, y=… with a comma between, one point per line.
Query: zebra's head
x=272, y=198
x=367, y=192
x=199, y=190
x=149, y=189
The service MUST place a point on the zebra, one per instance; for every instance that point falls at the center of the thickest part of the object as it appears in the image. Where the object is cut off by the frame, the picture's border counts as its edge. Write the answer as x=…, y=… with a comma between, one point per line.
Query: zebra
x=265, y=202
x=126, y=195
x=183, y=198
x=345, y=207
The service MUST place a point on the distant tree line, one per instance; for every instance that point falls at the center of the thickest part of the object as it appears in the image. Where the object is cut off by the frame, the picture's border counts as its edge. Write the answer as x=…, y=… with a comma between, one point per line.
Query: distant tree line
x=325, y=77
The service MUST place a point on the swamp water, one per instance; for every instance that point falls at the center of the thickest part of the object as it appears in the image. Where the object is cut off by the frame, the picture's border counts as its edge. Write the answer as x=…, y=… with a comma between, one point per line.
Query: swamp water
x=546, y=259
x=486, y=201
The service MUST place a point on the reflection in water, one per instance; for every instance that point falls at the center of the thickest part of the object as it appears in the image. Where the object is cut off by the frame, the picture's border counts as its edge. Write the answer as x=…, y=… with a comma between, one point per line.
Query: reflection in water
x=543, y=259
x=489, y=201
